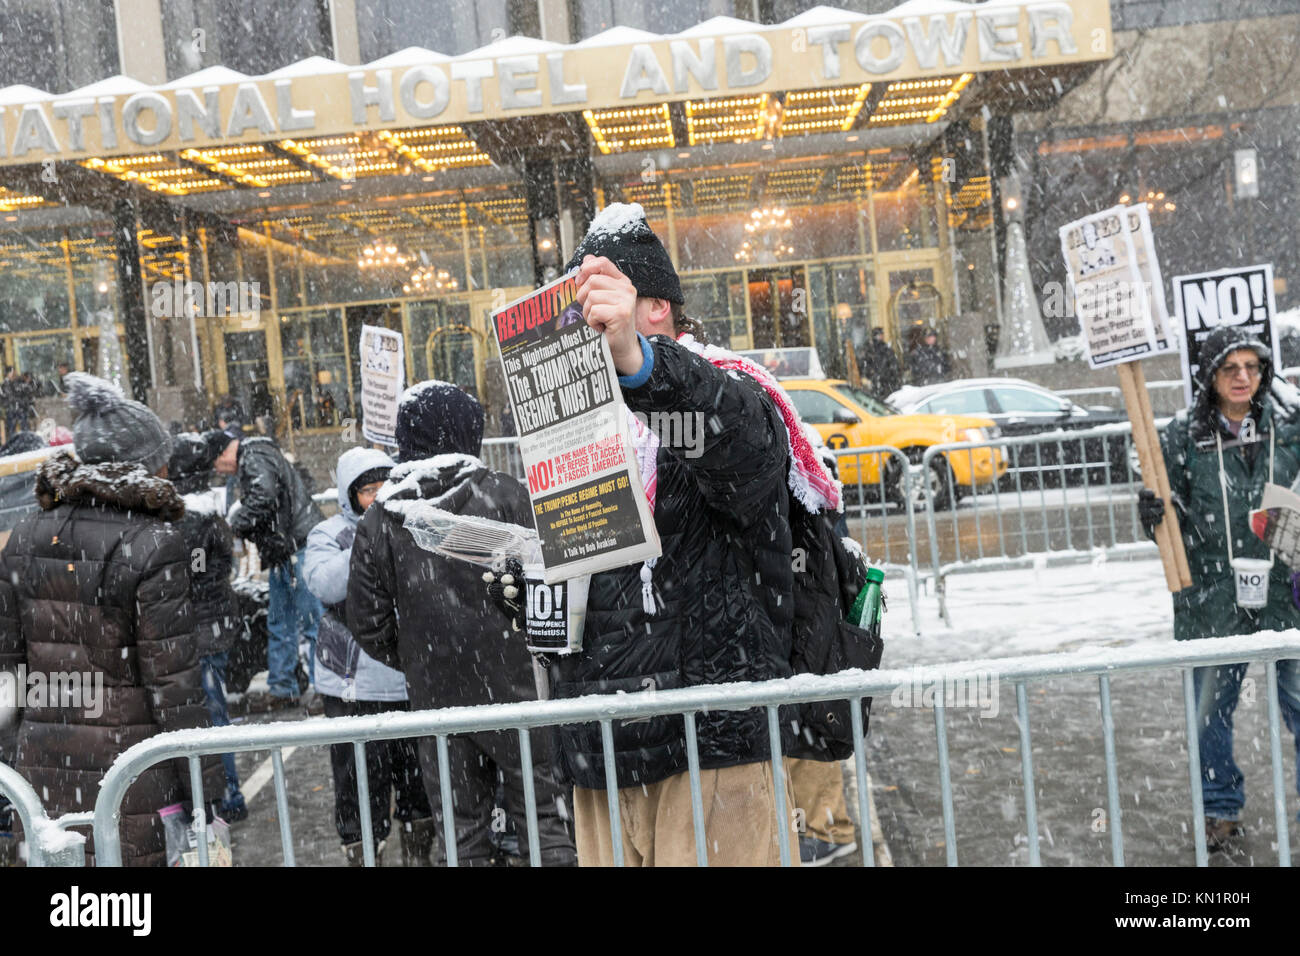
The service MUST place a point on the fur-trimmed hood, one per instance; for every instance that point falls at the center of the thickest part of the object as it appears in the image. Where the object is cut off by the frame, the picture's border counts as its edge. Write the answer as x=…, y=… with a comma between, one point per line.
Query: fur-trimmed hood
x=123, y=485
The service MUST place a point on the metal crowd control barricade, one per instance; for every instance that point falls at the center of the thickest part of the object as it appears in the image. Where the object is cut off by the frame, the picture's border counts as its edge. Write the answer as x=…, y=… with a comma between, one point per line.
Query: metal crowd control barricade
x=502, y=454
x=881, y=514
x=1101, y=663
x=1167, y=395
x=49, y=842
x=1054, y=505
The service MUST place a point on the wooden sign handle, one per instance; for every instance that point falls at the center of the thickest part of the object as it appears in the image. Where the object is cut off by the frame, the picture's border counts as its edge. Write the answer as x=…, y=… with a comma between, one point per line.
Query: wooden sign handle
x=1169, y=536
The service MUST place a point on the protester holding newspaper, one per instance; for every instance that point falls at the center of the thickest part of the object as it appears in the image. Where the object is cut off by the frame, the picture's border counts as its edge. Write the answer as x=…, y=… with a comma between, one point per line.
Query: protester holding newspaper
x=1219, y=454
x=716, y=607
x=427, y=616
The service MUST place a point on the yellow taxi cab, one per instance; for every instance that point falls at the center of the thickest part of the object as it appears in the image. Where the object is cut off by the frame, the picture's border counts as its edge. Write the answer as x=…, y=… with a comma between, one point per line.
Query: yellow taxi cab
x=849, y=418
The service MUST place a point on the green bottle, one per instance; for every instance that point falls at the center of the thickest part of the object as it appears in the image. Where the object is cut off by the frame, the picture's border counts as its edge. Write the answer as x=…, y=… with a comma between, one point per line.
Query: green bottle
x=867, y=607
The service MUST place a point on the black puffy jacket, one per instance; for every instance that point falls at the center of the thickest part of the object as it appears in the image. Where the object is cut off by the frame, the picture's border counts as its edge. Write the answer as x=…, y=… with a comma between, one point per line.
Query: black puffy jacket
x=275, y=511
x=96, y=584
x=723, y=585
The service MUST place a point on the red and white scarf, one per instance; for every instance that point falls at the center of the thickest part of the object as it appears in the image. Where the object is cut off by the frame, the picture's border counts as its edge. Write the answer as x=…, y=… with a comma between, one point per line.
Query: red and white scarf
x=809, y=479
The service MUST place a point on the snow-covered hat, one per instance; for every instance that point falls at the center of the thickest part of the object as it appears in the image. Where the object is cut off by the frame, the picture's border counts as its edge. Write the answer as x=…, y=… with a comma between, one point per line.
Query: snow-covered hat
x=437, y=418
x=111, y=427
x=1225, y=340
x=621, y=234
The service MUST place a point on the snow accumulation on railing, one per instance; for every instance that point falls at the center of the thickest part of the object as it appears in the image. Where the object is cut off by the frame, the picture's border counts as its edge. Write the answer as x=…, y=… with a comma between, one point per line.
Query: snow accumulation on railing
x=852, y=685
x=1273, y=645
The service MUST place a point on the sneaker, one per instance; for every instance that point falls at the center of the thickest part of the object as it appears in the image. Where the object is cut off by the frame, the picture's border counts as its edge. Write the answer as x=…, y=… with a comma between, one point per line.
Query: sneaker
x=1222, y=835
x=814, y=852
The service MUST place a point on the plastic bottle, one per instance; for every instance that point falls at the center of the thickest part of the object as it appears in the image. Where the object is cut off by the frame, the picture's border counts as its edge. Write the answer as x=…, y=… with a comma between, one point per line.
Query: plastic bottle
x=867, y=607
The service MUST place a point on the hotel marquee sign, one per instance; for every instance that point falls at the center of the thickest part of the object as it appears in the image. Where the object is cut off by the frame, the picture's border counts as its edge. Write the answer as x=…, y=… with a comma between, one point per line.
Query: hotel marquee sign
x=465, y=89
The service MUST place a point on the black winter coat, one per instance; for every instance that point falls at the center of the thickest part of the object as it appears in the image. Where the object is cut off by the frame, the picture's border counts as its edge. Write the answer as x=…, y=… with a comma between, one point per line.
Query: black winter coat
x=212, y=558
x=429, y=616
x=928, y=365
x=97, y=583
x=881, y=366
x=275, y=511
x=723, y=585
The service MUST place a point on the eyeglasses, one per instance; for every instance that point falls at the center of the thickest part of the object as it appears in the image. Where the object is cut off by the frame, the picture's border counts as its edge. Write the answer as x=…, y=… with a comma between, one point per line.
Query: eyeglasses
x=1232, y=371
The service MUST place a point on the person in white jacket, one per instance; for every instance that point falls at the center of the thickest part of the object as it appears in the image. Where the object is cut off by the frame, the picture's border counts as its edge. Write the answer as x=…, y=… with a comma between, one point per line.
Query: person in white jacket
x=351, y=682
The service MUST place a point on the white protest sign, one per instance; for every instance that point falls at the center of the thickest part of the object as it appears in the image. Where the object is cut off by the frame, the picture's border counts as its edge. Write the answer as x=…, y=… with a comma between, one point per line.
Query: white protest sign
x=1241, y=296
x=1110, y=297
x=1144, y=248
x=383, y=372
x=554, y=614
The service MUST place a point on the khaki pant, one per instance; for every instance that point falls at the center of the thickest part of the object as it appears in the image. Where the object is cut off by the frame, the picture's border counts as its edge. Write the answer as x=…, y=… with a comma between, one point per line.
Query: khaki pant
x=819, y=793
x=740, y=826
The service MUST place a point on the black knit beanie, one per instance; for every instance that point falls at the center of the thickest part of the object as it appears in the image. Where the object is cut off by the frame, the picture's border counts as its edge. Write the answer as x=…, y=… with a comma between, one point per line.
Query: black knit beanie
x=621, y=234
x=190, y=465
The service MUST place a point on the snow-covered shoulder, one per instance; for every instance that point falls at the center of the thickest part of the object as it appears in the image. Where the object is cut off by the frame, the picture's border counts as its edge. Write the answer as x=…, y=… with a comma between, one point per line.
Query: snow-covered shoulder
x=406, y=476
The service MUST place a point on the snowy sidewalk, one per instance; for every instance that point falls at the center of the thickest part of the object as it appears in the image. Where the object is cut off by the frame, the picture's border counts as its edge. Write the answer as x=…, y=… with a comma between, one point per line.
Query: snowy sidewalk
x=1032, y=611
x=1039, y=611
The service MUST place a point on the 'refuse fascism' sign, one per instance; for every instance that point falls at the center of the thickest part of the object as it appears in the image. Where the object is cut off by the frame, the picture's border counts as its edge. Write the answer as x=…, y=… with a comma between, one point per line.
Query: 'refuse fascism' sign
x=339, y=99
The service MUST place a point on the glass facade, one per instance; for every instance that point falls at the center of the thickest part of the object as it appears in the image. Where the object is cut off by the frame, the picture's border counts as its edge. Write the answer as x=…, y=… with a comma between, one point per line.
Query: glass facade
x=595, y=16
x=250, y=36
x=57, y=45
x=811, y=252
x=446, y=26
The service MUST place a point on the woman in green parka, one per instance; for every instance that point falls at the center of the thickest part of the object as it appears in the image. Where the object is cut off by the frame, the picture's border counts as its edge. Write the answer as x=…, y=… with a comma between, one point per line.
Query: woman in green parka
x=1219, y=455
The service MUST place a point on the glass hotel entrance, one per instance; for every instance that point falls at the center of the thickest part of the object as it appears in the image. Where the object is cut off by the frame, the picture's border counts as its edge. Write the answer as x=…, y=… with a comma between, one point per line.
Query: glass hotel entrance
x=806, y=197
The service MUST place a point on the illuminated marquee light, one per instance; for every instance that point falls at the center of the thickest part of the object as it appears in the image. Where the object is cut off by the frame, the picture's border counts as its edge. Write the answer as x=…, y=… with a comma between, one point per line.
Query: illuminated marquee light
x=313, y=152
x=651, y=195
x=862, y=176
x=449, y=146
x=919, y=100
x=801, y=182
x=713, y=190
x=12, y=201
x=168, y=178
x=655, y=121
x=950, y=97
x=976, y=192
x=216, y=160
x=800, y=107
x=740, y=118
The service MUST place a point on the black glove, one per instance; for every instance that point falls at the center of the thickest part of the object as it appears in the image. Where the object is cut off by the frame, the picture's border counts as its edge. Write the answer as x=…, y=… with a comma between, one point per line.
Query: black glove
x=1151, y=511
x=506, y=589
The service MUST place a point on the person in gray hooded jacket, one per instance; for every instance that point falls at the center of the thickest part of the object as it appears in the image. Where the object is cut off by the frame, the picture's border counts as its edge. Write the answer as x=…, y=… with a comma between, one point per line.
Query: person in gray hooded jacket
x=353, y=683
